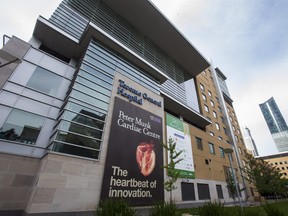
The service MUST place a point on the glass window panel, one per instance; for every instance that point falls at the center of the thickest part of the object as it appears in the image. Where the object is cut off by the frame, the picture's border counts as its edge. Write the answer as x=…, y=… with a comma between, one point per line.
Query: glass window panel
x=81, y=109
x=102, y=58
x=211, y=148
x=78, y=140
x=78, y=117
x=97, y=73
x=91, y=92
x=45, y=81
x=221, y=150
x=89, y=100
x=74, y=150
x=93, y=81
x=100, y=65
x=81, y=129
x=22, y=127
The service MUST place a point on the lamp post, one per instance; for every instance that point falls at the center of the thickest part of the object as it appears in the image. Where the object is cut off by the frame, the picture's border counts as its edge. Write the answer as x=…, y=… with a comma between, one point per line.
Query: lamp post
x=229, y=152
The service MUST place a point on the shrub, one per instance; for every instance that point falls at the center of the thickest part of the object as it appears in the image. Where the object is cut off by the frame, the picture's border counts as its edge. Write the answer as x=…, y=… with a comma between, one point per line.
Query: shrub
x=164, y=209
x=214, y=209
x=114, y=207
x=250, y=211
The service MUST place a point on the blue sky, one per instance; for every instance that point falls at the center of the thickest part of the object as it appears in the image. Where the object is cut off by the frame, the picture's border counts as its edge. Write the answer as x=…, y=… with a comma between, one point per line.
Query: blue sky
x=246, y=39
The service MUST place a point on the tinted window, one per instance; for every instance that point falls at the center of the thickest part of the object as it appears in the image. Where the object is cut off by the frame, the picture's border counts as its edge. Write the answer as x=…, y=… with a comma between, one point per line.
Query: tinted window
x=45, y=81
x=21, y=127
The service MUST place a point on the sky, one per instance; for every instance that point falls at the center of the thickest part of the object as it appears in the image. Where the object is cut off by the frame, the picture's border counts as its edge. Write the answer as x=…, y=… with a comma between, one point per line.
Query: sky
x=246, y=39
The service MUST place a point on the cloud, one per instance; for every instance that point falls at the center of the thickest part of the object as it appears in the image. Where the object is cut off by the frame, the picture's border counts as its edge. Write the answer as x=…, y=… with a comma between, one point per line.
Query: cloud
x=247, y=40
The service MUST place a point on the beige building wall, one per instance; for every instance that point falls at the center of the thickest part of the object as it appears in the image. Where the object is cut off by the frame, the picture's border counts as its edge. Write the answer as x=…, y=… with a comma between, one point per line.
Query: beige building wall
x=279, y=161
x=17, y=179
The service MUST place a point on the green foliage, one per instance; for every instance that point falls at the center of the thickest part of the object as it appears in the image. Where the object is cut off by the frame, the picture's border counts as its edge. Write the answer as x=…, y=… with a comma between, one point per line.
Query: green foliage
x=251, y=211
x=272, y=210
x=164, y=209
x=215, y=209
x=114, y=207
x=231, y=185
x=169, y=185
x=266, y=178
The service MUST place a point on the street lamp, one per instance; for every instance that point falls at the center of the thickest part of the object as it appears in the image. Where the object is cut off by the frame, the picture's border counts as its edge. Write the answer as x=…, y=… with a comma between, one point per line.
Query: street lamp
x=229, y=152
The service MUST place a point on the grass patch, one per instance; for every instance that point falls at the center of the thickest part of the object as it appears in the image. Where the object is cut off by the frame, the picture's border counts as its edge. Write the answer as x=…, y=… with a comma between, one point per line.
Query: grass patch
x=235, y=211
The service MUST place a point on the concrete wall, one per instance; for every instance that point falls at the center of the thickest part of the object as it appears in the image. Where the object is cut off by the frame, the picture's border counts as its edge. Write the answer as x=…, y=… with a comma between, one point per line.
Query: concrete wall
x=17, y=48
x=17, y=179
x=66, y=184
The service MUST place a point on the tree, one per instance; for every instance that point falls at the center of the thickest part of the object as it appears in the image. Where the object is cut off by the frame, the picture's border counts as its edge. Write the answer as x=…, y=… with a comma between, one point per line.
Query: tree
x=173, y=173
x=231, y=185
x=265, y=177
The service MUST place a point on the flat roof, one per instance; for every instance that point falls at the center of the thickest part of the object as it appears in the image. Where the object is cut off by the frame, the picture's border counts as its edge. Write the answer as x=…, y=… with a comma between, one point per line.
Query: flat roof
x=273, y=156
x=145, y=17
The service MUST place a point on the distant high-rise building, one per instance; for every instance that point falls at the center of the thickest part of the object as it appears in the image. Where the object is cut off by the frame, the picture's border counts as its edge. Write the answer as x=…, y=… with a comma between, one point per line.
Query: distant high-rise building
x=249, y=141
x=276, y=124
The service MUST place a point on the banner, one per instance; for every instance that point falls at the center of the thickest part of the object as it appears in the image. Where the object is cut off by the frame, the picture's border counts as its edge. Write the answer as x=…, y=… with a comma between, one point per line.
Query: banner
x=179, y=132
x=133, y=169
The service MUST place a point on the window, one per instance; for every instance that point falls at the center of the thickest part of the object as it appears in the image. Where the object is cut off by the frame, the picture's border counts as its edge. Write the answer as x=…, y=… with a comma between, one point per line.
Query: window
x=199, y=143
x=285, y=162
x=236, y=138
x=221, y=151
x=240, y=150
x=21, y=127
x=233, y=128
x=214, y=114
x=219, y=192
x=280, y=162
x=209, y=93
x=202, y=87
x=206, y=108
x=220, y=138
x=204, y=97
x=222, y=119
x=45, y=81
x=203, y=191
x=219, y=109
x=211, y=148
x=211, y=133
x=230, y=118
x=212, y=103
x=238, y=131
x=188, y=192
x=217, y=126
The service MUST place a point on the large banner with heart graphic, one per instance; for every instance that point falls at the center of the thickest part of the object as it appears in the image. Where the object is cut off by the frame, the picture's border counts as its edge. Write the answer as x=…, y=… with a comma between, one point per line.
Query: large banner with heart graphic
x=133, y=169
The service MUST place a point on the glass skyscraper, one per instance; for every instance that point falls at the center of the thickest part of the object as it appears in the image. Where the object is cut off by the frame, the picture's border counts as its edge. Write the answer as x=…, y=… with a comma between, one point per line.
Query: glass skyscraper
x=276, y=124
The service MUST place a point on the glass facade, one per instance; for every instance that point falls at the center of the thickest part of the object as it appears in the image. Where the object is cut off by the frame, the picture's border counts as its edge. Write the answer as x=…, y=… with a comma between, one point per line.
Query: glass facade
x=81, y=123
x=276, y=124
x=273, y=116
x=21, y=126
x=39, y=81
x=73, y=17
